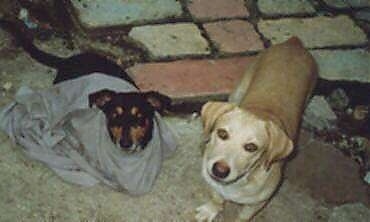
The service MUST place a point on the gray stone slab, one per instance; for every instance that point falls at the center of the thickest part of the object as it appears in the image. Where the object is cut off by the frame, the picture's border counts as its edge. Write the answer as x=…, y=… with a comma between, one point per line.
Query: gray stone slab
x=363, y=15
x=174, y=40
x=319, y=115
x=285, y=7
x=303, y=207
x=350, y=212
x=95, y=13
x=315, y=32
x=336, y=3
x=351, y=65
x=348, y=3
x=326, y=174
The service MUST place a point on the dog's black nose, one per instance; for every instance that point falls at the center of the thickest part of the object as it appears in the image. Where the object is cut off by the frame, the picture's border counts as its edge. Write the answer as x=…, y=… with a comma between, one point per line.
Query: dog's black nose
x=220, y=169
x=125, y=143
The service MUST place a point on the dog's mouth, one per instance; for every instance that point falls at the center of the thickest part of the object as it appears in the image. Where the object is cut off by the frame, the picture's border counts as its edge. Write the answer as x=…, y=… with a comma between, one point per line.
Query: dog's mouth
x=245, y=174
x=227, y=182
x=131, y=149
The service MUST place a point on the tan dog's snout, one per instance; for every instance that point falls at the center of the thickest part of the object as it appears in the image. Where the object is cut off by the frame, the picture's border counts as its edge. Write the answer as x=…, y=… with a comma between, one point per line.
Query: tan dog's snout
x=220, y=169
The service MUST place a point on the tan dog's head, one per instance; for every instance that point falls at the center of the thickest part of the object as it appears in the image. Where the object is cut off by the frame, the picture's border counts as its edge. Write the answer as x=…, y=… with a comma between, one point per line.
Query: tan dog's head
x=237, y=142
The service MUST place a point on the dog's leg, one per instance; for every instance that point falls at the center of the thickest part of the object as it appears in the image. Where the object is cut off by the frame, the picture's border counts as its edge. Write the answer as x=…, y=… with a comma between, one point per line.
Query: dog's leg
x=238, y=94
x=208, y=212
x=249, y=211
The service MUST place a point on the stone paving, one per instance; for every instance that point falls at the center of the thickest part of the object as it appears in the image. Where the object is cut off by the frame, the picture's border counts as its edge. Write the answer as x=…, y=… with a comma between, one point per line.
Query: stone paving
x=235, y=36
x=351, y=65
x=194, y=51
x=284, y=7
x=347, y=3
x=217, y=9
x=316, y=32
x=209, y=30
x=95, y=14
x=160, y=40
x=184, y=80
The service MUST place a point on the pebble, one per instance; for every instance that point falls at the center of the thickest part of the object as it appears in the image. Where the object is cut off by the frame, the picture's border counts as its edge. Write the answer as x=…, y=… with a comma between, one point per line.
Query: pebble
x=367, y=178
x=319, y=115
x=338, y=99
x=7, y=86
x=360, y=112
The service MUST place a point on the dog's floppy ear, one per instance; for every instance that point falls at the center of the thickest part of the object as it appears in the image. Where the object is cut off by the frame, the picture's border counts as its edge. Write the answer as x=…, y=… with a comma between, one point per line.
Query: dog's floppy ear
x=159, y=101
x=101, y=98
x=280, y=145
x=211, y=111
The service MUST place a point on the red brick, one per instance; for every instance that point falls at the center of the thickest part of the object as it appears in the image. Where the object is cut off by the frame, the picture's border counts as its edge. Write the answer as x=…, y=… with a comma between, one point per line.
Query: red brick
x=234, y=36
x=214, y=9
x=191, y=80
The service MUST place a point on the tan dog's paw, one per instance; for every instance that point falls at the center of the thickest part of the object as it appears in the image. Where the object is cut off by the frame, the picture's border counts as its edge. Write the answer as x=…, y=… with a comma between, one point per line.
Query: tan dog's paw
x=207, y=212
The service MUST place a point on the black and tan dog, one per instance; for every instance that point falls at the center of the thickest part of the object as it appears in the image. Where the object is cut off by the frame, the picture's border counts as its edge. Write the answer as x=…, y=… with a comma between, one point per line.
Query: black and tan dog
x=129, y=115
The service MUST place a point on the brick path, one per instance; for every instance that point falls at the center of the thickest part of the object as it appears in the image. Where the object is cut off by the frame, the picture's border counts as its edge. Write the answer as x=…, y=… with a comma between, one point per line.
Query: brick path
x=200, y=34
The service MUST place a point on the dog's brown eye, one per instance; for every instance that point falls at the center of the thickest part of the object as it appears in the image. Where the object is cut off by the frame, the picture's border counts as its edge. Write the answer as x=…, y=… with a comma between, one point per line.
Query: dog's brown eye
x=222, y=134
x=250, y=147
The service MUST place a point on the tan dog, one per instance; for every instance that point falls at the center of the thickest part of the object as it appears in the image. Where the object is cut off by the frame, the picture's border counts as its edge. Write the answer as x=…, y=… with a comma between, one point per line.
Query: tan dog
x=248, y=138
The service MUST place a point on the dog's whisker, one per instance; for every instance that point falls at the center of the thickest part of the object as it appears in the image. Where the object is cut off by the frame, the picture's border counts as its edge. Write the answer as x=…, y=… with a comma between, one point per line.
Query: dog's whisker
x=248, y=171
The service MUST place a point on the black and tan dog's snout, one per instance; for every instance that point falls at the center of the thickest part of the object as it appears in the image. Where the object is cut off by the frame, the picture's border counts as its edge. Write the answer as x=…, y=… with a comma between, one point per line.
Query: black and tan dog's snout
x=220, y=169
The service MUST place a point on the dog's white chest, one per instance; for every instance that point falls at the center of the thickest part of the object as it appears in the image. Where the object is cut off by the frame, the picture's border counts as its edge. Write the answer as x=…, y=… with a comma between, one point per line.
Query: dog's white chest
x=240, y=192
x=246, y=191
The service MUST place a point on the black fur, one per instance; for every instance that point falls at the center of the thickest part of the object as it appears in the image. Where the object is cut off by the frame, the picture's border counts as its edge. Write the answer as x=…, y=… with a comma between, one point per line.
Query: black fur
x=67, y=68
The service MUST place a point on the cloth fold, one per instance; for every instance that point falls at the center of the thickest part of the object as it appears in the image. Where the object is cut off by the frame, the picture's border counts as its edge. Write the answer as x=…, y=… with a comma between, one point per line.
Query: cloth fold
x=56, y=126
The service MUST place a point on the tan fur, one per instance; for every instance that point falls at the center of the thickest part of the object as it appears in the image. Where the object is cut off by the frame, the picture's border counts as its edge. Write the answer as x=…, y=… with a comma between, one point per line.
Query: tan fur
x=116, y=133
x=210, y=113
x=137, y=133
x=265, y=111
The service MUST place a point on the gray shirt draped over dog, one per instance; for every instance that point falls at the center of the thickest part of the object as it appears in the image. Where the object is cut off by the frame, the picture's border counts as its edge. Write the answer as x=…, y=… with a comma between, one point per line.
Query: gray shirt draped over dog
x=56, y=127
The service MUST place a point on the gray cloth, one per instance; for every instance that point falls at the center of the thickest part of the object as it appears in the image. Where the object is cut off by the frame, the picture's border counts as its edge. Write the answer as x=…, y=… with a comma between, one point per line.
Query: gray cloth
x=56, y=127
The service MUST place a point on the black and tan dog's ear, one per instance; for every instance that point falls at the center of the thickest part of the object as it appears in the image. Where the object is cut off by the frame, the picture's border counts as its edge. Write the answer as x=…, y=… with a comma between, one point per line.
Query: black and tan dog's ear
x=101, y=98
x=280, y=145
x=211, y=111
x=159, y=101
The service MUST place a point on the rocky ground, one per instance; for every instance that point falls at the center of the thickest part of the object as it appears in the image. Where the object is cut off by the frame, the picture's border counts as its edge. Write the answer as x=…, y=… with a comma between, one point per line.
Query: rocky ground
x=195, y=51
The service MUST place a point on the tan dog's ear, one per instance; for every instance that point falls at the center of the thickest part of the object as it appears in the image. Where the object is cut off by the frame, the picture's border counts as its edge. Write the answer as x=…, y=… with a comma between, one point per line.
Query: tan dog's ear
x=211, y=111
x=280, y=145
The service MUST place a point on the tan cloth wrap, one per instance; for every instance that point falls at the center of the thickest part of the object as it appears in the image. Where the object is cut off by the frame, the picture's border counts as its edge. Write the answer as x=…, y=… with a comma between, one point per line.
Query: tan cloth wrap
x=285, y=76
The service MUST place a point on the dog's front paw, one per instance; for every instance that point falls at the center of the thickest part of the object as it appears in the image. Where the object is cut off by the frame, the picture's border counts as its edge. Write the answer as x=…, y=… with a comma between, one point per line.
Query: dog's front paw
x=207, y=212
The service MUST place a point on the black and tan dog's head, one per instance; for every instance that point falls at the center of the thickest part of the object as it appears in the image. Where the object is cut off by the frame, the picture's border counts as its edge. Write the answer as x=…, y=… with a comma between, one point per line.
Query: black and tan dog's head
x=129, y=115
